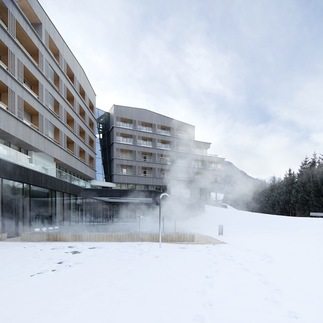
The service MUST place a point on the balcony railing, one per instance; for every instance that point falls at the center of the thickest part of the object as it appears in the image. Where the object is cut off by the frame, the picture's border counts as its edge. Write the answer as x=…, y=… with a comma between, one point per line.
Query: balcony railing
x=145, y=143
x=28, y=87
x=3, y=64
x=124, y=124
x=163, y=132
x=3, y=105
x=145, y=128
x=125, y=140
x=71, y=179
x=163, y=146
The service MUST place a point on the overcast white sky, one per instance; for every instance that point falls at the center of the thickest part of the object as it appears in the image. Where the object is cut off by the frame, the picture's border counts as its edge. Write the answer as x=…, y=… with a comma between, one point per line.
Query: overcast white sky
x=247, y=73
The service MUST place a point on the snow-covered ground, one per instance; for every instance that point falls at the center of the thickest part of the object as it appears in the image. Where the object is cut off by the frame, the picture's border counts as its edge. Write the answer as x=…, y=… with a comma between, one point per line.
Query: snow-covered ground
x=269, y=270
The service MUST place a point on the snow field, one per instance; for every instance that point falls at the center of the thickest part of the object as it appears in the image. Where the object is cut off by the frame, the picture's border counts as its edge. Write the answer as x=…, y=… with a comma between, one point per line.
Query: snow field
x=269, y=270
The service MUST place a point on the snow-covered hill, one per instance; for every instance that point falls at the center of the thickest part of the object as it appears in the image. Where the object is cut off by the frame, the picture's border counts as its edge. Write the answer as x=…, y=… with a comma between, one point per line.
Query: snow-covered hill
x=269, y=270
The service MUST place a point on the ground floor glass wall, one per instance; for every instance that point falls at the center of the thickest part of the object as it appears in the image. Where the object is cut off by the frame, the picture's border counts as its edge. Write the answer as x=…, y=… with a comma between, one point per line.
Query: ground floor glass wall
x=24, y=207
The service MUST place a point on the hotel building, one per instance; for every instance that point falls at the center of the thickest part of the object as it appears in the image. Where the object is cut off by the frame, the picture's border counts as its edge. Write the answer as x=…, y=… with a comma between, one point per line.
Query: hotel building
x=145, y=150
x=47, y=121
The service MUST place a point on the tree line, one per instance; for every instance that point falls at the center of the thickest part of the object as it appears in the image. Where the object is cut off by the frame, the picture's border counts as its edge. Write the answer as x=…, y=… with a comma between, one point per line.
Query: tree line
x=297, y=194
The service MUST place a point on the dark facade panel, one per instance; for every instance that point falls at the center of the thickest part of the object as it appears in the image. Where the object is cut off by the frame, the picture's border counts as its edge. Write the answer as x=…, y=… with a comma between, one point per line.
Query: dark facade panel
x=21, y=174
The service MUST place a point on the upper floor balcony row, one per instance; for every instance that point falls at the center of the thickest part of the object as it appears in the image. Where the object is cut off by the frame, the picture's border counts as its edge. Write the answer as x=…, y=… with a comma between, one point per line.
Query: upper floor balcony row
x=28, y=44
x=147, y=127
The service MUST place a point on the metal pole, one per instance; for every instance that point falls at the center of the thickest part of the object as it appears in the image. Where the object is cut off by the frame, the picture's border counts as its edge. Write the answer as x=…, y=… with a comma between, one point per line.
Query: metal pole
x=160, y=234
x=160, y=226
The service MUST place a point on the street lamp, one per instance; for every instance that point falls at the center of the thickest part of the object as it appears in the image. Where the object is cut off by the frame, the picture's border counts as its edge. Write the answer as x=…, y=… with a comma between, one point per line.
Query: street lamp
x=160, y=227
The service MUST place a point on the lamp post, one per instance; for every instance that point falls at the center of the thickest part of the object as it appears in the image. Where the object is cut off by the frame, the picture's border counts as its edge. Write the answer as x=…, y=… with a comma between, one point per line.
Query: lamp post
x=160, y=227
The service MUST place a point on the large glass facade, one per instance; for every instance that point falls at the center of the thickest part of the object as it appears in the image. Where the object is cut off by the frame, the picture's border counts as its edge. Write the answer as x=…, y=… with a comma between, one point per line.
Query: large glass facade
x=25, y=207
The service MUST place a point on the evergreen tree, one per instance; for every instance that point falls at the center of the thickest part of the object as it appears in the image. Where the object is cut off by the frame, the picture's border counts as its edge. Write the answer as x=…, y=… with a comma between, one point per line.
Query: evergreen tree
x=297, y=194
x=289, y=193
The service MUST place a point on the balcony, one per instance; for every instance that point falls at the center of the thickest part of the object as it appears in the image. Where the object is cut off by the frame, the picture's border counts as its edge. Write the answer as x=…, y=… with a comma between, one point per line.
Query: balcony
x=3, y=15
x=31, y=83
x=125, y=140
x=31, y=116
x=70, y=98
x=145, y=142
x=53, y=77
x=147, y=157
x=82, y=92
x=31, y=15
x=126, y=170
x=3, y=55
x=91, y=142
x=82, y=113
x=82, y=155
x=70, y=145
x=70, y=121
x=52, y=103
x=27, y=44
x=164, y=160
x=124, y=124
x=70, y=74
x=53, y=132
x=125, y=154
x=163, y=145
x=60, y=174
x=164, y=131
x=3, y=96
x=53, y=49
x=144, y=126
x=82, y=134
x=14, y=156
x=91, y=106
x=148, y=172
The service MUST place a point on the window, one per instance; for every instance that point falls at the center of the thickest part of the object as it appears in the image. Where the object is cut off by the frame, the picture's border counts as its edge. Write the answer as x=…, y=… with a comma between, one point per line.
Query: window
x=164, y=159
x=147, y=171
x=147, y=157
x=126, y=154
x=126, y=170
